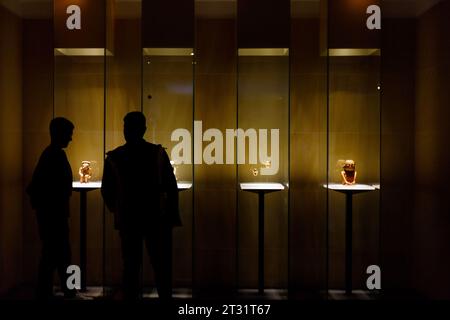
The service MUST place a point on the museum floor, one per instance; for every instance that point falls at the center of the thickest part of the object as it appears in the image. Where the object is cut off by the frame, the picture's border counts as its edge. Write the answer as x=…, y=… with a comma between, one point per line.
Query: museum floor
x=96, y=293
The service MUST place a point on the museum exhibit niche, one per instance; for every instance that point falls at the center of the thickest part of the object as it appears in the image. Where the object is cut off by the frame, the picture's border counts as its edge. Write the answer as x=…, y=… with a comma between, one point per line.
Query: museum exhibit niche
x=271, y=113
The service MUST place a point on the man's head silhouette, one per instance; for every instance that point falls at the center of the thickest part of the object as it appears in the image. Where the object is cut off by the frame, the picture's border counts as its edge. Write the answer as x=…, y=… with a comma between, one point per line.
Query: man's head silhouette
x=61, y=131
x=134, y=126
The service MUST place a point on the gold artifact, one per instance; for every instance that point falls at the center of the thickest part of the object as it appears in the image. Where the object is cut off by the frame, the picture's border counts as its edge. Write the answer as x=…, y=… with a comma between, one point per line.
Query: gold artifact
x=266, y=164
x=348, y=173
x=174, y=166
x=85, y=171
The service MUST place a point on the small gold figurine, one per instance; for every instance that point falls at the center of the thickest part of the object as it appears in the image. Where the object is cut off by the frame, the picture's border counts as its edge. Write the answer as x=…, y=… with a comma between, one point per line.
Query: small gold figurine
x=266, y=164
x=85, y=171
x=174, y=166
x=349, y=172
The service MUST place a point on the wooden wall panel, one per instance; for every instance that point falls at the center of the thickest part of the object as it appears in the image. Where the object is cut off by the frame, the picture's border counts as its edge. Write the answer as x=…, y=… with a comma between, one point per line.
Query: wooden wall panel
x=347, y=24
x=307, y=224
x=397, y=151
x=38, y=112
x=11, y=187
x=167, y=27
x=431, y=221
x=92, y=31
x=263, y=23
x=215, y=186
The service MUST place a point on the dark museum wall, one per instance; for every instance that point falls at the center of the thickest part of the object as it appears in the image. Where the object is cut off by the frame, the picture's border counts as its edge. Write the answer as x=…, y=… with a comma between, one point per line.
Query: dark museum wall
x=308, y=124
x=414, y=168
x=397, y=151
x=431, y=220
x=38, y=111
x=11, y=185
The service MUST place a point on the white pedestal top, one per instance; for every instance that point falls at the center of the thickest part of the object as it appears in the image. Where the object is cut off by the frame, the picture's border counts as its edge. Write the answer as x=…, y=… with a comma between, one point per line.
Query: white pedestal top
x=184, y=185
x=89, y=185
x=262, y=186
x=353, y=187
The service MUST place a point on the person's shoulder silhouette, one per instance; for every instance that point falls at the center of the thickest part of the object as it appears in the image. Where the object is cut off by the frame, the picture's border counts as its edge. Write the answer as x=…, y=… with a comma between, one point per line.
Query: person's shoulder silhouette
x=136, y=173
x=136, y=150
x=51, y=184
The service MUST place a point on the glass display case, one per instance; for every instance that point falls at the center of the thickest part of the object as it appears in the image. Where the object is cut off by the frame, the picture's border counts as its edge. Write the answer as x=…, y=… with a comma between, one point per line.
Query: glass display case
x=263, y=92
x=354, y=169
x=168, y=90
x=354, y=126
x=263, y=117
x=79, y=96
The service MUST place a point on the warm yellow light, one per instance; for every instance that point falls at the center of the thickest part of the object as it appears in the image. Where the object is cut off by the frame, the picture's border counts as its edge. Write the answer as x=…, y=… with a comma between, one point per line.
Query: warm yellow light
x=264, y=52
x=353, y=52
x=168, y=52
x=87, y=52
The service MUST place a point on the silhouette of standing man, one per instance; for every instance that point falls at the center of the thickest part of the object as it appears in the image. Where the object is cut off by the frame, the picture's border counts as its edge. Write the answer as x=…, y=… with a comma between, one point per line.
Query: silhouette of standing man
x=140, y=188
x=50, y=190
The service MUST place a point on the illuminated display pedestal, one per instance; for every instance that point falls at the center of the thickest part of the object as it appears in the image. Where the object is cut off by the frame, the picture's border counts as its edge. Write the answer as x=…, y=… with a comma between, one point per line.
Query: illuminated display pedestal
x=261, y=189
x=83, y=189
x=349, y=191
x=184, y=185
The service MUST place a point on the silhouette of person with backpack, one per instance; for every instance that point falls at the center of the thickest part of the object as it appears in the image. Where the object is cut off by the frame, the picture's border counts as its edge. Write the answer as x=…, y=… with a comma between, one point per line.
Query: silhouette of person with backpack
x=140, y=188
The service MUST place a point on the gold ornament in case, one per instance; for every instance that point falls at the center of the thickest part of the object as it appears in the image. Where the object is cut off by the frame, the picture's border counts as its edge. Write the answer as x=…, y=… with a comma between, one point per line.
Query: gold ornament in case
x=349, y=172
x=85, y=171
